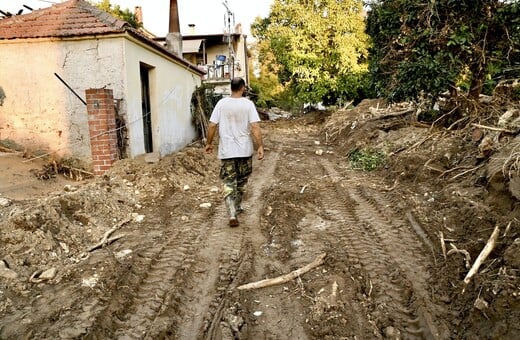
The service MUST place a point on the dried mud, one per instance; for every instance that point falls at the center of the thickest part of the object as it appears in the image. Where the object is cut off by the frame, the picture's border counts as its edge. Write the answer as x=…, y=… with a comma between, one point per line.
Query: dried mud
x=171, y=266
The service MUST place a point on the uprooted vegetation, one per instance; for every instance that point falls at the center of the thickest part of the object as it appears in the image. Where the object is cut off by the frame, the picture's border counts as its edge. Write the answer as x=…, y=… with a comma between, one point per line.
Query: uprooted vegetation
x=324, y=180
x=460, y=181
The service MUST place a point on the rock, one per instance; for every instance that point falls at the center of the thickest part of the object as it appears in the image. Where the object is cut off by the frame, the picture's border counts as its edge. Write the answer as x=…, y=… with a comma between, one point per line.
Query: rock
x=70, y=188
x=319, y=152
x=123, y=253
x=512, y=255
x=5, y=272
x=137, y=218
x=205, y=205
x=214, y=189
x=481, y=304
x=48, y=274
x=258, y=313
x=185, y=218
x=4, y=202
x=392, y=333
x=186, y=187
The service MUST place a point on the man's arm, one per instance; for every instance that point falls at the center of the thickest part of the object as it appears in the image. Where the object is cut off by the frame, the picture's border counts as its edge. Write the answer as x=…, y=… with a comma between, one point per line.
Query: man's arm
x=257, y=135
x=212, y=129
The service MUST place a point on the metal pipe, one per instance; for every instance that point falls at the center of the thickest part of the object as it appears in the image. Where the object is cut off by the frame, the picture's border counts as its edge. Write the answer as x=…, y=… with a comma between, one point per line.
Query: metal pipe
x=70, y=88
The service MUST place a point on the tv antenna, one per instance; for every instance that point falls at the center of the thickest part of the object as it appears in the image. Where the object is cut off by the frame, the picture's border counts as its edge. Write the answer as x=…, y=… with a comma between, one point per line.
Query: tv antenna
x=228, y=17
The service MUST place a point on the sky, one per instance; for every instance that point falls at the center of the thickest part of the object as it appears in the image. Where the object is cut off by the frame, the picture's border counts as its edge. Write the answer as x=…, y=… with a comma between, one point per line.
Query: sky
x=207, y=15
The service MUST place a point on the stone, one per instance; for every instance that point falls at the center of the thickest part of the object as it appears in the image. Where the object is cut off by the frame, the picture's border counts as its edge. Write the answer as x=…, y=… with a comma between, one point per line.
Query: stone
x=48, y=274
x=4, y=202
x=6, y=272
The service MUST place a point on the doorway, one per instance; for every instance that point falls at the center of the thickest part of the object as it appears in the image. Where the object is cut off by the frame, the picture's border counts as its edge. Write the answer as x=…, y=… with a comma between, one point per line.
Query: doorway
x=146, y=107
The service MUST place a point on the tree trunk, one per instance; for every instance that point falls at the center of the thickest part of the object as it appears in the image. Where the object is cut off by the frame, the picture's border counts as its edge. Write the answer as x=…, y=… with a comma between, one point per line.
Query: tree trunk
x=477, y=80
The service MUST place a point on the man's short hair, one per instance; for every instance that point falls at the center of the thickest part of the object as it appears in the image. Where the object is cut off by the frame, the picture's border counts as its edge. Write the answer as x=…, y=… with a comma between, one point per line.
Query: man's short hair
x=237, y=83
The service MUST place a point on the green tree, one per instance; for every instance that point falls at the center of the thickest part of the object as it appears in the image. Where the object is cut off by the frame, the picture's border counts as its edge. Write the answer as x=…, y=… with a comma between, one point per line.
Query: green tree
x=115, y=10
x=428, y=47
x=319, y=48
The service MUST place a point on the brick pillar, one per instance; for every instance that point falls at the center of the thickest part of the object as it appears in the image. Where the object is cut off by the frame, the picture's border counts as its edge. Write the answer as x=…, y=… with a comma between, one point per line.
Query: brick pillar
x=102, y=129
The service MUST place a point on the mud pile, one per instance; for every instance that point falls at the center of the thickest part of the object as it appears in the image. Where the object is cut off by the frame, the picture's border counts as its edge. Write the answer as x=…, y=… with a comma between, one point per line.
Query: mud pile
x=43, y=239
x=457, y=185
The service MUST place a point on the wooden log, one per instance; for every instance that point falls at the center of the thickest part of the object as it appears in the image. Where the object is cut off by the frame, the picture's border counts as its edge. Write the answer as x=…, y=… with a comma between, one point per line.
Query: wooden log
x=483, y=255
x=285, y=278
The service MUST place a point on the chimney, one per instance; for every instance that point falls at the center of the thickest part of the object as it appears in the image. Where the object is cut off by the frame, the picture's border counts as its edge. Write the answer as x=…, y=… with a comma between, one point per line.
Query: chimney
x=192, y=28
x=138, y=12
x=174, y=37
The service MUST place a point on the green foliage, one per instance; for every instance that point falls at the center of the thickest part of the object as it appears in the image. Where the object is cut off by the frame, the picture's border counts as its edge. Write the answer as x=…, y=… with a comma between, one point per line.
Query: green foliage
x=203, y=101
x=430, y=47
x=116, y=11
x=366, y=159
x=317, y=49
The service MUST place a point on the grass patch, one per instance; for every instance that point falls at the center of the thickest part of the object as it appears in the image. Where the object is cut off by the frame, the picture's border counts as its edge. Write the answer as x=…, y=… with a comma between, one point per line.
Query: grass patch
x=366, y=159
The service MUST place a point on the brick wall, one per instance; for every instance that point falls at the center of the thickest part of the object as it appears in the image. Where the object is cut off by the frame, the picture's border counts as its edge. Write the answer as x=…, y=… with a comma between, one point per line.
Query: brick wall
x=102, y=125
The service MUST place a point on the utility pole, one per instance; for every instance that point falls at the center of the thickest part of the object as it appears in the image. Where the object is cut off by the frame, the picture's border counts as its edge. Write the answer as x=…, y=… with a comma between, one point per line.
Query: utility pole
x=227, y=22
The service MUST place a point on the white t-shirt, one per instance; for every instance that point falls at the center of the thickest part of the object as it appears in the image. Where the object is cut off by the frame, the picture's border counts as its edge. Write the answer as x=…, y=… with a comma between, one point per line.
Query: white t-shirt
x=233, y=116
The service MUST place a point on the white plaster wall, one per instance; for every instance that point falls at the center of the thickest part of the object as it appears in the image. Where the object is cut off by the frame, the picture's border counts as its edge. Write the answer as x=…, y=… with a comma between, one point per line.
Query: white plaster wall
x=38, y=111
x=171, y=88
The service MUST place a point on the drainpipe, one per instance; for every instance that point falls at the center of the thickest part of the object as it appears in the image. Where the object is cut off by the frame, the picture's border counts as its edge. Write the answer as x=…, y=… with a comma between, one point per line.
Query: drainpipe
x=174, y=37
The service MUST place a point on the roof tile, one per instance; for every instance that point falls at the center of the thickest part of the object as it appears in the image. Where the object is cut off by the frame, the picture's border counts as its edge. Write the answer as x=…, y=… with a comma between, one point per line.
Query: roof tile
x=70, y=18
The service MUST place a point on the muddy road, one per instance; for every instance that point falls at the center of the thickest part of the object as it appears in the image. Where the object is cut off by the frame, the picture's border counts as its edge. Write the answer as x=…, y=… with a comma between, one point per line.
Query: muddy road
x=170, y=266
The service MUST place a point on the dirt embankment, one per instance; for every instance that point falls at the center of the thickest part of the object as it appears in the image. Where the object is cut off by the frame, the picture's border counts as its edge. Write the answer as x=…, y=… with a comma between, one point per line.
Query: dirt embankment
x=146, y=252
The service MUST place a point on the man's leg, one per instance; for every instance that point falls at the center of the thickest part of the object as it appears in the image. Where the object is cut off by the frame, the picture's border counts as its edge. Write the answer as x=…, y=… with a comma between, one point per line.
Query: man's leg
x=228, y=174
x=244, y=167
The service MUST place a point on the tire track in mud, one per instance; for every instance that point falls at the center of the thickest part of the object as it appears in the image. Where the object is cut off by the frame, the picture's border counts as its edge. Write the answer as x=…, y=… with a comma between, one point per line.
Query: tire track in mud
x=313, y=234
x=205, y=300
x=288, y=312
x=389, y=252
x=136, y=309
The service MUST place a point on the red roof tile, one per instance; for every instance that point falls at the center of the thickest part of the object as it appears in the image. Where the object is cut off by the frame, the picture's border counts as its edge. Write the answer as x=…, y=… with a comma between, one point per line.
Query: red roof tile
x=68, y=19
x=71, y=19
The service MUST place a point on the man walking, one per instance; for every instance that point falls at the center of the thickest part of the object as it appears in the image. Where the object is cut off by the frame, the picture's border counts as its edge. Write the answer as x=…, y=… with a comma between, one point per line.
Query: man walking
x=237, y=119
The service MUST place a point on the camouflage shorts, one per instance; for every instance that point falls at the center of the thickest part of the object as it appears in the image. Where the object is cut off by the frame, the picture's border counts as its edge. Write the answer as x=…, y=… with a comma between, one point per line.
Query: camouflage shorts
x=234, y=172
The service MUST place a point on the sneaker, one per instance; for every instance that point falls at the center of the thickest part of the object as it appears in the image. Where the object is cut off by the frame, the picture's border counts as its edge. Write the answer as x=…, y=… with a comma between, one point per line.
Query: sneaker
x=233, y=222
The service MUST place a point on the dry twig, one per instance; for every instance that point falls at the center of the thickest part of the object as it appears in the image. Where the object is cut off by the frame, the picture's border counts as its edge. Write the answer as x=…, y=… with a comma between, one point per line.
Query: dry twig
x=483, y=255
x=105, y=240
x=492, y=128
x=443, y=244
x=285, y=278
x=464, y=252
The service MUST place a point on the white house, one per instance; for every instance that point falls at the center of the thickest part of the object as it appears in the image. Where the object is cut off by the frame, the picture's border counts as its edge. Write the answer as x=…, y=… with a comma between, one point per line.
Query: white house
x=50, y=57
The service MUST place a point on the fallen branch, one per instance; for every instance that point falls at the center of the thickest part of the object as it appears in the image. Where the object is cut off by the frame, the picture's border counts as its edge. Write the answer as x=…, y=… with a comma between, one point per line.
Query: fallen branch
x=443, y=244
x=106, y=242
x=105, y=239
x=483, y=255
x=429, y=167
x=71, y=168
x=394, y=114
x=285, y=278
x=492, y=128
x=465, y=172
